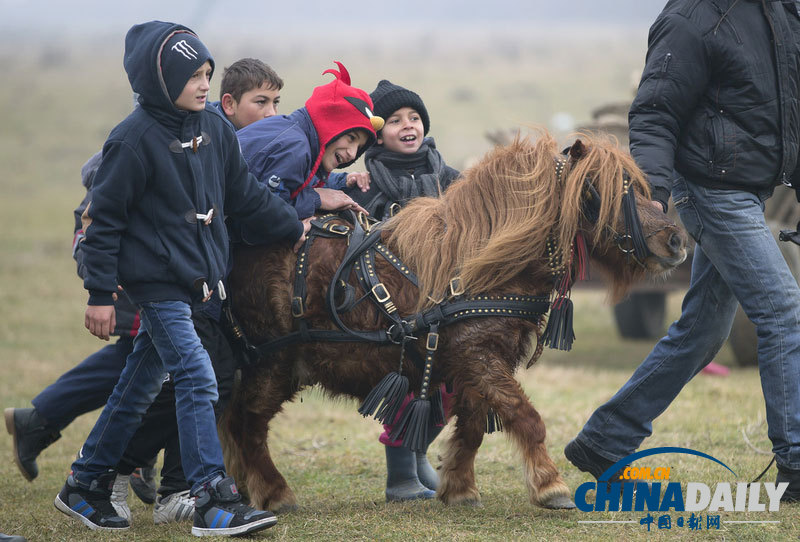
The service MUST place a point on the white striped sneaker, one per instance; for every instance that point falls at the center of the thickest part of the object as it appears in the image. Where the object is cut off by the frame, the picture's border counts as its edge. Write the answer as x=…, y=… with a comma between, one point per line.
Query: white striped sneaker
x=173, y=508
x=119, y=496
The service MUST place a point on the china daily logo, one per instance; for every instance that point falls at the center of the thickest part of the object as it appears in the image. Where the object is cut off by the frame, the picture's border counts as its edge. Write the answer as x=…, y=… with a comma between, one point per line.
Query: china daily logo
x=649, y=490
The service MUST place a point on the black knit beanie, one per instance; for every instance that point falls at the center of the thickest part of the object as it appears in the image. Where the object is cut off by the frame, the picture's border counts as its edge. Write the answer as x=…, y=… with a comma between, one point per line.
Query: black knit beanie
x=182, y=55
x=388, y=98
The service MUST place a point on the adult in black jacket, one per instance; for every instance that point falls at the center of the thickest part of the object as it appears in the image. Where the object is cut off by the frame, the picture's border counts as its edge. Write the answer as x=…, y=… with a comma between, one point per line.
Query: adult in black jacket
x=715, y=123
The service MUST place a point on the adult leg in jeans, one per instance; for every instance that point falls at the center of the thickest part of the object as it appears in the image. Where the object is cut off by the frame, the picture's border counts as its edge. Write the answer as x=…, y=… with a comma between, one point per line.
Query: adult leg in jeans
x=169, y=344
x=736, y=258
x=85, y=387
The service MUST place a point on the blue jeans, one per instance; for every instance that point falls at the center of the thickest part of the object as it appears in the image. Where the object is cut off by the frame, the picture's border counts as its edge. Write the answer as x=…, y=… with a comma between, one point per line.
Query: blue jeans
x=85, y=387
x=167, y=343
x=736, y=260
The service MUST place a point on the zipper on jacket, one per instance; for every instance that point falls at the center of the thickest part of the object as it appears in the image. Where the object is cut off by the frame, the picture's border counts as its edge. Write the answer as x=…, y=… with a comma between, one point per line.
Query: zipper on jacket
x=662, y=74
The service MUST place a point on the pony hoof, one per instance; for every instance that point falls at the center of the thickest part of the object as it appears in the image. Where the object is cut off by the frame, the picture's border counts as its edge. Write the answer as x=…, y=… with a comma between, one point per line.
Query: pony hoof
x=558, y=502
x=285, y=509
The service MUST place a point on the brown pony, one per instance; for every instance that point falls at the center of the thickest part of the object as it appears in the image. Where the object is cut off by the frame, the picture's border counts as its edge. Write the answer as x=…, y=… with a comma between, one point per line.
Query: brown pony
x=491, y=229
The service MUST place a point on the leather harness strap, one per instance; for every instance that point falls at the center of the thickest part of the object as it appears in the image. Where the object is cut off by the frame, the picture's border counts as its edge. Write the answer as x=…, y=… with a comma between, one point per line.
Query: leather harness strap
x=360, y=256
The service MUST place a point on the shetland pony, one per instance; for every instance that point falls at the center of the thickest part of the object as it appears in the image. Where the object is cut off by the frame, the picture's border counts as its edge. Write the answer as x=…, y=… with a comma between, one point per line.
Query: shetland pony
x=509, y=226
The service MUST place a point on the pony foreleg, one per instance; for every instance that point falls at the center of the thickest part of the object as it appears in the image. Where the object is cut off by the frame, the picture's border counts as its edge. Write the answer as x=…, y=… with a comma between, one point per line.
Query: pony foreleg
x=523, y=423
x=247, y=452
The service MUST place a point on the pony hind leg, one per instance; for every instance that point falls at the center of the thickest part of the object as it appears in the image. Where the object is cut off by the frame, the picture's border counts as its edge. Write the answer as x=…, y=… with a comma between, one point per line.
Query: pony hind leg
x=245, y=430
x=500, y=390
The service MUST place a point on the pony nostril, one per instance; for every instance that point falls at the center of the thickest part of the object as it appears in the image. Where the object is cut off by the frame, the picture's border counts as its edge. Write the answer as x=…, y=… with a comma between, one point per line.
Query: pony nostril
x=675, y=242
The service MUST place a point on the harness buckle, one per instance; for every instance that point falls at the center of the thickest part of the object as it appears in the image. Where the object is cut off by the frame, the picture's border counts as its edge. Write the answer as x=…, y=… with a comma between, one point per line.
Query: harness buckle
x=339, y=229
x=297, y=307
x=381, y=293
x=363, y=221
x=394, y=208
x=455, y=287
x=433, y=341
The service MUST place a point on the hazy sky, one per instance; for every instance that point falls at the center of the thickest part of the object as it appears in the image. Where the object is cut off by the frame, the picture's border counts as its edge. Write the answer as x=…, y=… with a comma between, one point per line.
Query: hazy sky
x=104, y=16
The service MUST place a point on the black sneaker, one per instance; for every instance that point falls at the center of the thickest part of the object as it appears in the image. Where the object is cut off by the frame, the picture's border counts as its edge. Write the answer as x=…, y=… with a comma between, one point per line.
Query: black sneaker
x=91, y=506
x=219, y=511
x=792, y=493
x=31, y=435
x=586, y=459
x=143, y=483
x=589, y=461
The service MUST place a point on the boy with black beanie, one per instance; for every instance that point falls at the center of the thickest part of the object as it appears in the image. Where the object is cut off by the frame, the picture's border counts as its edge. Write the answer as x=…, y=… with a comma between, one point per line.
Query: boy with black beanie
x=171, y=171
x=404, y=164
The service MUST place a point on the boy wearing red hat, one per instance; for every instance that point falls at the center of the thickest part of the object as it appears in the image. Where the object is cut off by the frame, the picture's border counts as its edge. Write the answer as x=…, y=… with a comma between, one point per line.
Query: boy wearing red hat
x=294, y=154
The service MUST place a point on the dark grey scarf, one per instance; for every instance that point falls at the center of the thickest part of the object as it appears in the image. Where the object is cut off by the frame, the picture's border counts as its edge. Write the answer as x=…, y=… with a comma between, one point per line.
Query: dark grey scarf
x=397, y=178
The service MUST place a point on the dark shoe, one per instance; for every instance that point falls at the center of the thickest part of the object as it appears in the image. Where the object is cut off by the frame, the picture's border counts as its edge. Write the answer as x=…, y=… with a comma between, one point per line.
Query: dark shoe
x=219, y=511
x=91, y=506
x=143, y=483
x=11, y=538
x=31, y=435
x=589, y=461
x=585, y=459
x=402, y=482
x=792, y=493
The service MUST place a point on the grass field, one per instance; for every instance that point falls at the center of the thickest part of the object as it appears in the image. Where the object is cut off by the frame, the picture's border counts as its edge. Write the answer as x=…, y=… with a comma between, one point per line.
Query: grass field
x=58, y=106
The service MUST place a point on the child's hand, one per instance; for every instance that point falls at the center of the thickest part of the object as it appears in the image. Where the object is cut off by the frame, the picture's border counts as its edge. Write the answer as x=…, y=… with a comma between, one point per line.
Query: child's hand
x=361, y=178
x=306, y=227
x=336, y=200
x=100, y=320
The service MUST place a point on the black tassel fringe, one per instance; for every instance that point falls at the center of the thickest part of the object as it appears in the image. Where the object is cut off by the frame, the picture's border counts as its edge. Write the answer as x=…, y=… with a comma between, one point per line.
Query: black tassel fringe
x=437, y=408
x=559, y=333
x=633, y=226
x=413, y=425
x=493, y=422
x=385, y=399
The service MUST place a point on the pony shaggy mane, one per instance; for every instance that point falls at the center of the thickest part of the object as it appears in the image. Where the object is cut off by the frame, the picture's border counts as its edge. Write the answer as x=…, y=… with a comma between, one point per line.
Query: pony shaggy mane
x=494, y=222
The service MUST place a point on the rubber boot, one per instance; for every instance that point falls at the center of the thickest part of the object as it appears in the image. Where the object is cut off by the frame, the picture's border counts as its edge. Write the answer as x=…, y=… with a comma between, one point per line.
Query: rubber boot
x=425, y=472
x=31, y=435
x=402, y=483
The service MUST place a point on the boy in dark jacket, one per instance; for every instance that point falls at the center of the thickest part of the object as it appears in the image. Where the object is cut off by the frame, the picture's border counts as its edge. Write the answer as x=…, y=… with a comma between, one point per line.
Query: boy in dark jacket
x=171, y=173
x=295, y=154
x=716, y=123
x=404, y=164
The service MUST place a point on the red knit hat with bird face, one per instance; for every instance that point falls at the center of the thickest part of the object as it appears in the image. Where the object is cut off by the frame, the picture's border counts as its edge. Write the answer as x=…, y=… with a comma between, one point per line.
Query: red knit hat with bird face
x=336, y=108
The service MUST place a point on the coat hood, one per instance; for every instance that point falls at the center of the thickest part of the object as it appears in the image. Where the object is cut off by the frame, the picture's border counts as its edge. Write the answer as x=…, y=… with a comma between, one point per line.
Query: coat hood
x=144, y=46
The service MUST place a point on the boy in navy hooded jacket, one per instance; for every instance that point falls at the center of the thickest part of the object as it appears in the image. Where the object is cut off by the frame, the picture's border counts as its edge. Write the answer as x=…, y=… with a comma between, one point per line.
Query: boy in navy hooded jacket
x=171, y=172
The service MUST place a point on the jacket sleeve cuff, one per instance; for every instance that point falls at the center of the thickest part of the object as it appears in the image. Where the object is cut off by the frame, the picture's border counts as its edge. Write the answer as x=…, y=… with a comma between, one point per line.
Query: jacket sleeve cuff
x=661, y=195
x=298, y=232
x=100, y=298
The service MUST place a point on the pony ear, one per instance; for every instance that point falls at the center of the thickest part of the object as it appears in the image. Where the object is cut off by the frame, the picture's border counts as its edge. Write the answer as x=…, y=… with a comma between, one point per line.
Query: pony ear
x=578, y=150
